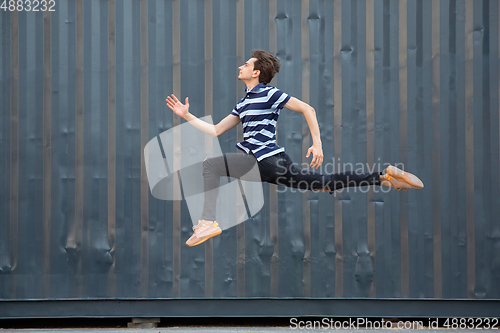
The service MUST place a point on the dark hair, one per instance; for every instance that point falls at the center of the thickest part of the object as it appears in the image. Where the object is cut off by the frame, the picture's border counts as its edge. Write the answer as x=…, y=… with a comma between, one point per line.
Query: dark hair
x=267, y=64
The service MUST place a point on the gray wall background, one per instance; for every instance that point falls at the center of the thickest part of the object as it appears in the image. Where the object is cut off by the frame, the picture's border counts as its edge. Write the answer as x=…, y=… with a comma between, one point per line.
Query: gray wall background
x=413, y=82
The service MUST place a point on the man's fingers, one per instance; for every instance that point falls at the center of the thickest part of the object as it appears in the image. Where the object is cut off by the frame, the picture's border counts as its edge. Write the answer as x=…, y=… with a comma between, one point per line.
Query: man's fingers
x=313, y=162
x=170, y=100
x=316, y=162
x=319, y=163
x=175, y=98
x=171, y=103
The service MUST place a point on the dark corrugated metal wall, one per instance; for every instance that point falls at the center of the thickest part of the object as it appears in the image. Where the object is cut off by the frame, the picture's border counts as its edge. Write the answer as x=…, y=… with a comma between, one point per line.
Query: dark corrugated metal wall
x=411, y=82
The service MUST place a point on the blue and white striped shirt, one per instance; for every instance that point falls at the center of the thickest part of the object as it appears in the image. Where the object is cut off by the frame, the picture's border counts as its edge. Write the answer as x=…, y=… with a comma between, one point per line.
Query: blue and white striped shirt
x=259, y=111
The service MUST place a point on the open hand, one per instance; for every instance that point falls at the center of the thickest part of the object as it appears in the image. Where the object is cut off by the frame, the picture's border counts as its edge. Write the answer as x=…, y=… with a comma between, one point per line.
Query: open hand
x=179, y=109
x=317, y=152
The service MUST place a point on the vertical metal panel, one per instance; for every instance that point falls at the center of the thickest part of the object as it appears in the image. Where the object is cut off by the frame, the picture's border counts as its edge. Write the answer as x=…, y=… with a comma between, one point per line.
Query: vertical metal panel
x=5, y=71
x=307, y=22
x=176, y=88
x=457, y=144
x=166, y=84
x=370, y=137
x=329, y=140
x=419, y=165
x=319, y=87
x=483, y=144
x=128, y=154
x=96, y=259
x=273, y=193
x=225, y=65
x=383, y=146
x=320, y=96
x=479, y=131
x=469, y=145
x=56, y=255
x=160, y=77
x=495, y=120
x=337, y=141
x=66, y=74
x=436, y=152
x=258, y=243
x=30, y=156
x=133, y=169
x=492, y=64
x=14, y=153
x=23, y=260
x=419, y=69
x=290, y=230
x=159, y=230
x=488, y=154
x=348, y=131
x=112, y=145
x=251, y=16
x=240, y=228
x=413, y=82
x=362, y=265
x=378, y=104
x=219, y=36
x=75, y=238
x=47, y=153
x=144, y=141
x=192, y=50
x=209, y=248
x=418, y=92
x=444, y=127
x=403, y=122
x=39, y=133
x=480, y=101
x=349, y=112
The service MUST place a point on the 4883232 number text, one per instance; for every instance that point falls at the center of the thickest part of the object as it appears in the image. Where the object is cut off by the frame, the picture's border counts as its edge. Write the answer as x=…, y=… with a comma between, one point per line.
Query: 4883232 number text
x=28, y=5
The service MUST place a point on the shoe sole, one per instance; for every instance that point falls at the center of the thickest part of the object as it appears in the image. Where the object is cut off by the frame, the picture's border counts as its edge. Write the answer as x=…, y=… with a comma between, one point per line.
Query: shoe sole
x=406, y=177
x=204, y=239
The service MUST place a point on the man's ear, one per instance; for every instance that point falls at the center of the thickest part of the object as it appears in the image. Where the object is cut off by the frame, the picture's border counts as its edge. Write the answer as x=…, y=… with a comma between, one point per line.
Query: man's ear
x=256, y=73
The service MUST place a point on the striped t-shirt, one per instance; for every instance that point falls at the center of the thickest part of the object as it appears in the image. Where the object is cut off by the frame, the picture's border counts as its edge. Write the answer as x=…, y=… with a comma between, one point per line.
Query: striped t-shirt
x=259, y=111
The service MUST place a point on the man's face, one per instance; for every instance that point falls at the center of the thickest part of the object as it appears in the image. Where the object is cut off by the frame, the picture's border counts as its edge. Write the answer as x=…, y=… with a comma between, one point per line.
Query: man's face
x=247, y=71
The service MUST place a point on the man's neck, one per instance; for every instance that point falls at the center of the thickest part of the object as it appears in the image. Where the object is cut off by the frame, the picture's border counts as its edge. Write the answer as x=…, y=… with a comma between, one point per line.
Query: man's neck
x=252, y=84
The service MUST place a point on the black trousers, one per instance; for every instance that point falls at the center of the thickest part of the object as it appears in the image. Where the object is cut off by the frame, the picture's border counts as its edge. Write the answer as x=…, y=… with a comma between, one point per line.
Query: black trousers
x=277, y=169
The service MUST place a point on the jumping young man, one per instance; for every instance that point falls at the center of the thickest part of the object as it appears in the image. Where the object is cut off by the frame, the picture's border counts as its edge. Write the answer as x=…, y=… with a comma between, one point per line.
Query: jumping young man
x=258, y=112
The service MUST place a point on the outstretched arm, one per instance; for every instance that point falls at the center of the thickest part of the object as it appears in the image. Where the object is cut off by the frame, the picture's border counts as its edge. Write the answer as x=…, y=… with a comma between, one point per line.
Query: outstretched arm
x=182, y=110
x=309, y=113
